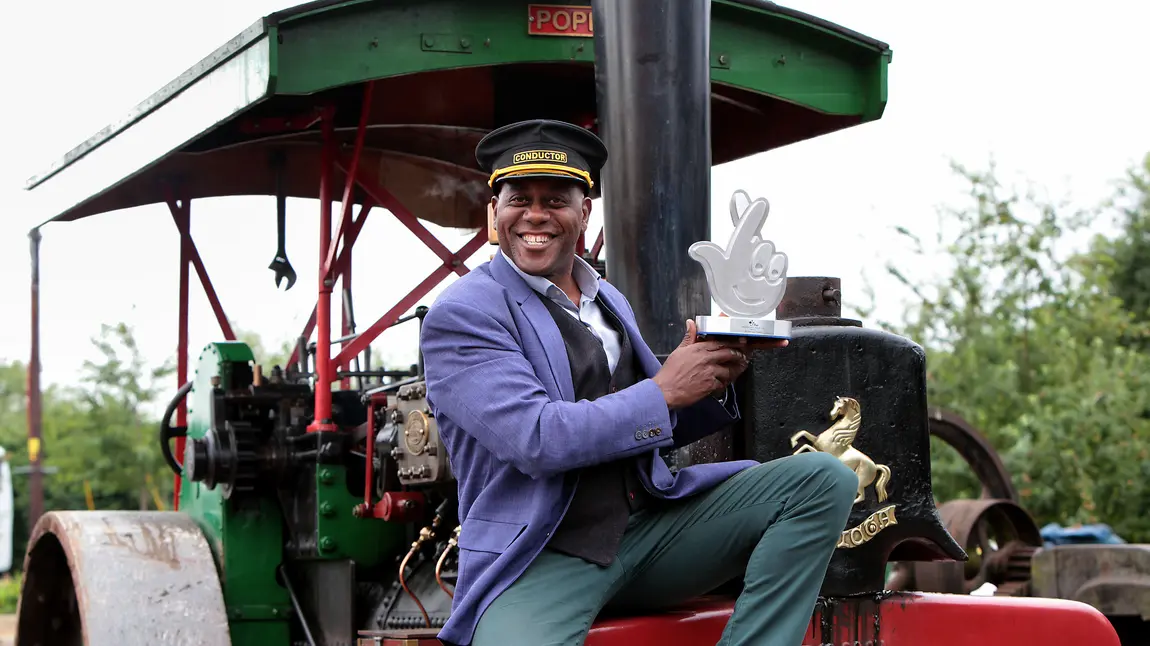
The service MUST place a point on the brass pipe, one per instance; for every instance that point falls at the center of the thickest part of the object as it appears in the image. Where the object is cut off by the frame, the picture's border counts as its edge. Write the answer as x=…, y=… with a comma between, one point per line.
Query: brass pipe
x=425, y=534
x=403, y=582
x=451, y=542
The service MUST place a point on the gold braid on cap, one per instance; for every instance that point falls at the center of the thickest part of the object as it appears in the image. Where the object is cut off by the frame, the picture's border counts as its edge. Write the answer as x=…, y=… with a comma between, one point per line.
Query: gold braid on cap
x=527, y=169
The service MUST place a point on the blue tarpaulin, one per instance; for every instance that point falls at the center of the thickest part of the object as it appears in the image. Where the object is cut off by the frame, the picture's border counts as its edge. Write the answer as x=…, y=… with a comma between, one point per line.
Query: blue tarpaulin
x=1055, y=534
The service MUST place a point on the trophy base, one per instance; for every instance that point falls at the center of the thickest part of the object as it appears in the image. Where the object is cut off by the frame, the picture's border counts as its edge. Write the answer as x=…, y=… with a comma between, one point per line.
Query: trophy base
x=736, y=326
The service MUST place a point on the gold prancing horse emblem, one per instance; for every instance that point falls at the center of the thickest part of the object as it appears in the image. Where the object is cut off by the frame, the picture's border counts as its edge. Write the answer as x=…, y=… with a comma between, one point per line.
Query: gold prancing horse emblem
x=837, y=440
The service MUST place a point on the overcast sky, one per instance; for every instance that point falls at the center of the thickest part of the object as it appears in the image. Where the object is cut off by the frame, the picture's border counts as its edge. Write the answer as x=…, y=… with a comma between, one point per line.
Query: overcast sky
x=1051, y=91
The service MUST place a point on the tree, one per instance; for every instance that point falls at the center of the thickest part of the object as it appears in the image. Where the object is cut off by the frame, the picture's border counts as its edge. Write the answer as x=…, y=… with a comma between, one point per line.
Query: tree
x=1031, y=343
x=263, y=356
x=119, y=448
x=1130, y=249
x=95, y=432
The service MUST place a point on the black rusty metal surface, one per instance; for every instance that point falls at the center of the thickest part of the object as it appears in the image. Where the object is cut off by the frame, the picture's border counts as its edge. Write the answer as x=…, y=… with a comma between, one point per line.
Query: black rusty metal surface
x=656, y=183
x=326, y=594
x=855, y=619
x=976, y=450
x=1000, y=539
x=809, y=296
x=120, y=578
x=396, y=610
x=793, y=389
x=813, y=300
x=1009, y=568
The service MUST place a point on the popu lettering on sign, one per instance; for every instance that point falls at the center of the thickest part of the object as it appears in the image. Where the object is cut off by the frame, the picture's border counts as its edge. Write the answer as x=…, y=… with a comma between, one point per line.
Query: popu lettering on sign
x=559, y=20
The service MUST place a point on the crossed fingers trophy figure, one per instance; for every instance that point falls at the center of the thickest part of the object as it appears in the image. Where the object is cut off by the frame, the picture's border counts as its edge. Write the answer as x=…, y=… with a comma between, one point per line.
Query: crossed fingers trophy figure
x=747, y=279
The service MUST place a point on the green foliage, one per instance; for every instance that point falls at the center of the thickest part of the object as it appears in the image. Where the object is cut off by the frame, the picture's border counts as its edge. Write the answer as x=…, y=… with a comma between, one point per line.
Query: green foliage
x=264, y=357
x=1036, y=345
x=97, y=432
x=9, y=593
x=1129, y=252
x=113, y=445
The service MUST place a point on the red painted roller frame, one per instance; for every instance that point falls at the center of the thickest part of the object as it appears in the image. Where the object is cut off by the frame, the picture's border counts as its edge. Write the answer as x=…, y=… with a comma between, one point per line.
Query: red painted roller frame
x=905, y=619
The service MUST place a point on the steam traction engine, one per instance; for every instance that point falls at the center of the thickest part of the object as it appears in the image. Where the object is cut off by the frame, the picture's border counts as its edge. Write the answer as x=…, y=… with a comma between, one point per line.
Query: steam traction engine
x=308, y=514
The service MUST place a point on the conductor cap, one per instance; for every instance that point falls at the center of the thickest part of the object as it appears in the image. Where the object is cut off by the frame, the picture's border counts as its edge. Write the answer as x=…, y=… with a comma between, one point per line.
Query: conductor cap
x=541, y=148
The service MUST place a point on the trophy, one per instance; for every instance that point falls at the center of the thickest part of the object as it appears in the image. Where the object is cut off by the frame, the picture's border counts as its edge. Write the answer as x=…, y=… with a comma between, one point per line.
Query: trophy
x=747, y=279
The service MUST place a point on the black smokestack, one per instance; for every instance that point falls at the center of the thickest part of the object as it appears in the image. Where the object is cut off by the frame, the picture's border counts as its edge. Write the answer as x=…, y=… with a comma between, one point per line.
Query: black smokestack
x=653, y=88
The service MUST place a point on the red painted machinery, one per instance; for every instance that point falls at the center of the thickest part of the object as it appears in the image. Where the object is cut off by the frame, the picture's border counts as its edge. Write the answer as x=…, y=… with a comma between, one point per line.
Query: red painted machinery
x=315, y=503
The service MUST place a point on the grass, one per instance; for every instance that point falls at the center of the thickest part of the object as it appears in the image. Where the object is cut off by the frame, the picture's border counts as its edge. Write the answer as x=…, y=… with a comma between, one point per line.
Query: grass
x=9, y=593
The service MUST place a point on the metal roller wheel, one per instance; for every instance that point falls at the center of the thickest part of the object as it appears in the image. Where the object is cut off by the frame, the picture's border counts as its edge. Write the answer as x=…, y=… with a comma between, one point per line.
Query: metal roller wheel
x=1000, y=540
x=120, y=578
x=999, y=537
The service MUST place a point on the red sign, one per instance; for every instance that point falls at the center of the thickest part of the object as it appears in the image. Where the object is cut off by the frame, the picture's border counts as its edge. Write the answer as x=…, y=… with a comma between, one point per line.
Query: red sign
x=559, y=20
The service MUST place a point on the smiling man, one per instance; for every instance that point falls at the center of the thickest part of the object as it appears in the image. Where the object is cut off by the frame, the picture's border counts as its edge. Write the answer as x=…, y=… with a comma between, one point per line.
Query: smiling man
x=553, y=410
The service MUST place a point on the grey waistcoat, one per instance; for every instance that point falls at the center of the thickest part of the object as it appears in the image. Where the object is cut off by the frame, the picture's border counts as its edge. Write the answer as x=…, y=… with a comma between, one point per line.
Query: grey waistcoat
x=606, y=494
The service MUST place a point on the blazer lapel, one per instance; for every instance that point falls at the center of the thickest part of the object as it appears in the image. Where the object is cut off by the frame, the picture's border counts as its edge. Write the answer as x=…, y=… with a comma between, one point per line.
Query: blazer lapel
x=540, y=319
x=647, y=359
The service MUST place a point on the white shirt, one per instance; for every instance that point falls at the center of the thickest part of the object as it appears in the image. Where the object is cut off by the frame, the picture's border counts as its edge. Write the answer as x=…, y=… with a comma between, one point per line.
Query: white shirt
x=588, y=312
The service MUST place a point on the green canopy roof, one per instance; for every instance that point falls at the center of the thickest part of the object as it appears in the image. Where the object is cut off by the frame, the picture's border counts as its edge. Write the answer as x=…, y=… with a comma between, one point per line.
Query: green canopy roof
x=446, y=72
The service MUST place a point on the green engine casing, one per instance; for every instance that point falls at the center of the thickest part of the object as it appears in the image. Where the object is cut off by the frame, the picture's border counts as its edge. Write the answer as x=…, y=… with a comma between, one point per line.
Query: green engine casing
x=247, y=533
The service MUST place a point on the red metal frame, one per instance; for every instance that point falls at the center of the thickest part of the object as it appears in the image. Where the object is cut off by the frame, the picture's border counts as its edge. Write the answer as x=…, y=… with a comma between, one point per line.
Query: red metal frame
x=182, y=219
x=335, y=261
x=181, y=211
x=341, y=269
x=181, y=214
x=598, y=248
x=452, y=262
x=396, y=506
x=910, y=619
x=323, y=421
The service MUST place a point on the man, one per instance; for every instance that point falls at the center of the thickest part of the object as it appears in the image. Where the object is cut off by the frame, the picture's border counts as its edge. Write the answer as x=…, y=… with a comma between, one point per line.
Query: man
x=553, y=411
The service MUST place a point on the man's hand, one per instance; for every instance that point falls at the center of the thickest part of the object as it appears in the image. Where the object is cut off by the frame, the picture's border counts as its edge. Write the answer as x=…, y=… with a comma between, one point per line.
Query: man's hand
x=699, y=368
x=746, y=346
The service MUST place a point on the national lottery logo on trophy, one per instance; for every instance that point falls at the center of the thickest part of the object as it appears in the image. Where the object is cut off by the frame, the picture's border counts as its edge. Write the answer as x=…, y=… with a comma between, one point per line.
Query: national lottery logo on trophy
x=747, y=279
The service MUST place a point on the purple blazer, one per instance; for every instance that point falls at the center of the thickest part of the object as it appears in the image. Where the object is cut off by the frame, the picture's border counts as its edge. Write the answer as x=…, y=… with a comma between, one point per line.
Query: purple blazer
x=499, y=385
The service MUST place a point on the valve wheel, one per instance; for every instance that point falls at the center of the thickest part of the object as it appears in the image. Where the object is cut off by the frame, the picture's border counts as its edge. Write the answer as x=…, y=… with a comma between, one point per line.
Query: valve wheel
x=169, y=432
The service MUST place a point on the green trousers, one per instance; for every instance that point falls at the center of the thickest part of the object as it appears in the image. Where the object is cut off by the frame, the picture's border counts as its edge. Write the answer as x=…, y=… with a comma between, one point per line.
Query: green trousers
x=775, y=524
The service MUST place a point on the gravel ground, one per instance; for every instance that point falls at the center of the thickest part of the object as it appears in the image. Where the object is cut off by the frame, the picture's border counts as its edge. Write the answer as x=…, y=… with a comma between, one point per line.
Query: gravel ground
x=7, y=630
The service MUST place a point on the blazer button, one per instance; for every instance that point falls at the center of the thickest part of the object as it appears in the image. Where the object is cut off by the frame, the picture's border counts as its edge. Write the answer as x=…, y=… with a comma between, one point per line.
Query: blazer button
x=638, y=435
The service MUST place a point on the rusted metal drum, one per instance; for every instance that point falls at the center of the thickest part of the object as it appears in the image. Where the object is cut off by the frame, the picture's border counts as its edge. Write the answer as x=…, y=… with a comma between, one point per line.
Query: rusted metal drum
x=1000, y=540
x=120, y=578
